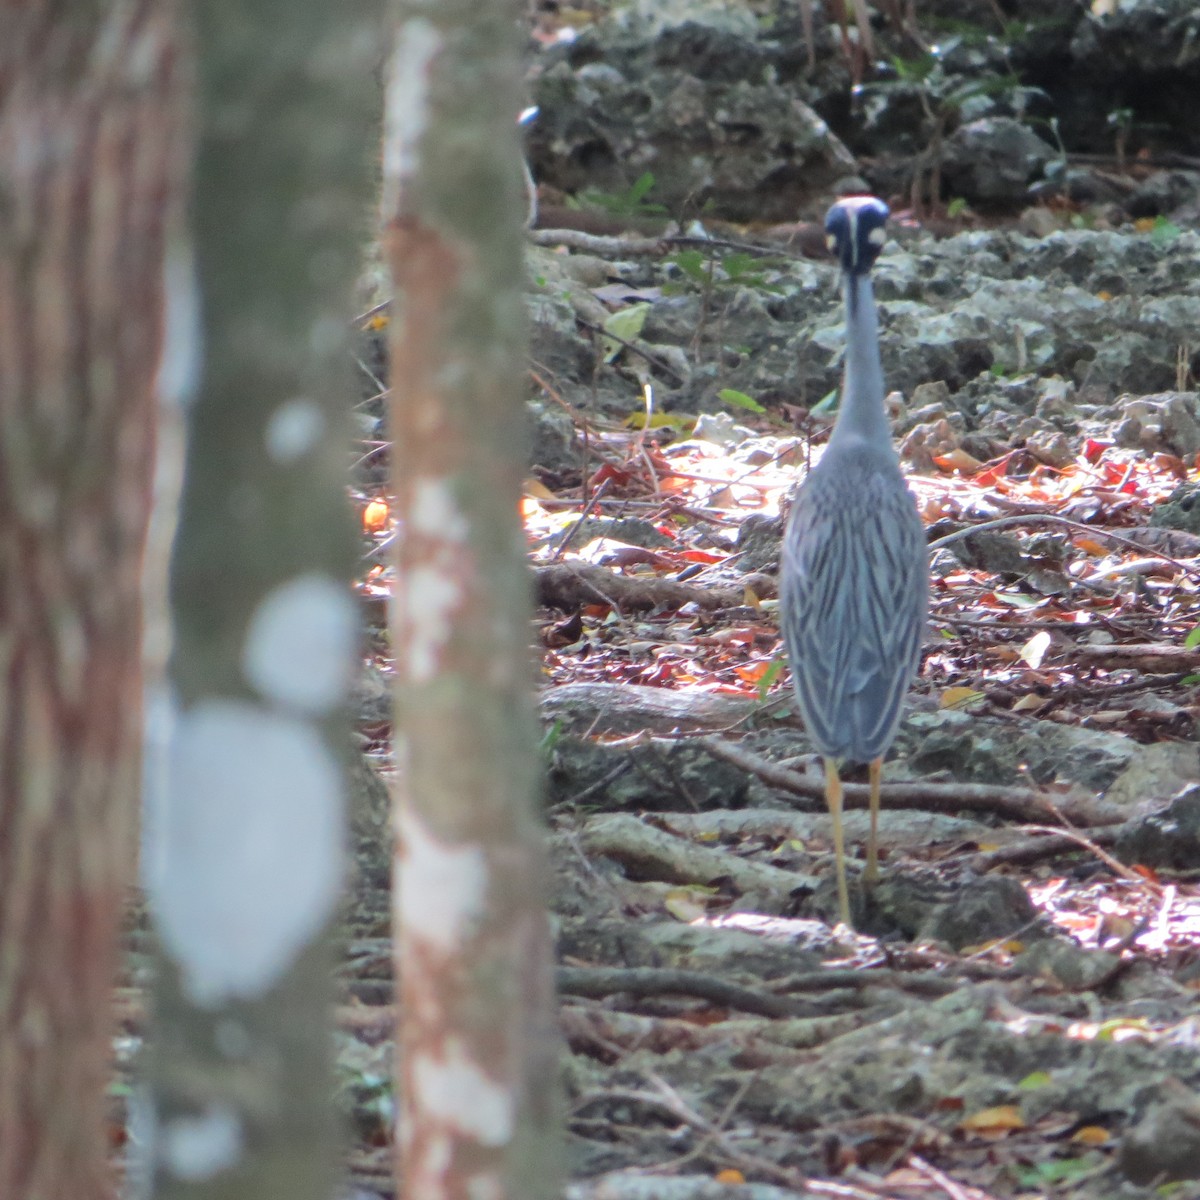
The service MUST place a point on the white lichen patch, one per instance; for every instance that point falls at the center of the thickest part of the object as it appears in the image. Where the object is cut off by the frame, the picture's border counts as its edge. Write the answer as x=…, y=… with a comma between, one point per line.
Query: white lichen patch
x=299, y=648
x=181, y=356
x=434, y=512
x=428, y=599
x=454, y=1089
x=247, y=865
x=160, y=713
x=406, y=104
x=203, y=1145
x=293, y=429
x=440, y=889
x=486, y=1186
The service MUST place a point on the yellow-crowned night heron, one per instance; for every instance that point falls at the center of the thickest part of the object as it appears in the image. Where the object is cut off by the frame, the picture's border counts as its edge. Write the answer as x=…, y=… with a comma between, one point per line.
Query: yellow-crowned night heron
x=854, y=584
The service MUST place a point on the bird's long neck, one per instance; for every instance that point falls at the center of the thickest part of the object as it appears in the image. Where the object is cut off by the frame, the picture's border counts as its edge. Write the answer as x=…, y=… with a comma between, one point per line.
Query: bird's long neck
x=861, y=412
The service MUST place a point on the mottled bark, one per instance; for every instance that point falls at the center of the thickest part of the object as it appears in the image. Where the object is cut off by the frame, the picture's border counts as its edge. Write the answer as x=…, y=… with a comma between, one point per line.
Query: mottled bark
x=477, y=1078
x=243, y=850
x=90, y=174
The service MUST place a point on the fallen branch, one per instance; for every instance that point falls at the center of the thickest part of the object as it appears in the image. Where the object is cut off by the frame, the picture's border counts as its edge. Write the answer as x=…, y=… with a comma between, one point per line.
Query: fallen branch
x=567, y=586
x=1015, y=804
x=655, y=981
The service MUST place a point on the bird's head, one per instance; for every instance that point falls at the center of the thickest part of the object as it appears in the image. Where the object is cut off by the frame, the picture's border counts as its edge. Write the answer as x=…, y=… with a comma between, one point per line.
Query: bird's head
x=854, y=232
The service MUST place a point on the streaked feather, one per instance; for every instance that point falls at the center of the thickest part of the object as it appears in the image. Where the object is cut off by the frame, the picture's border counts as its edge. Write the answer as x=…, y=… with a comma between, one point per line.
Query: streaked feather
x=854, y=598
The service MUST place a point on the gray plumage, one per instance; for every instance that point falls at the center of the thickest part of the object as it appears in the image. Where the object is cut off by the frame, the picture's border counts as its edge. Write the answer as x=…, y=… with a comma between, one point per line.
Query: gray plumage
x=854, y=585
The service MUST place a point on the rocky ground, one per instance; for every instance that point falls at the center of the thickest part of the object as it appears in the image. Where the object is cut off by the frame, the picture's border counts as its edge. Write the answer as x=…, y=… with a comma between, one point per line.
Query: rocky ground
x=1015, y=1014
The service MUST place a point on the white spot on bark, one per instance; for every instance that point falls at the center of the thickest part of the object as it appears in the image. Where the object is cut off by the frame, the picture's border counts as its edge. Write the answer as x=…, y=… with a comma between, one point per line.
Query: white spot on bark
x=248, y=863
x=160, y=713
x=141, y=1126
x=179, y=363
x=294, y=429
x=429, y=599
x=457, y=1091
x=485, y=1187
x=201, y=1146
x=440, y=889
x=406, y=105
x=435, y=513
x=299, y=649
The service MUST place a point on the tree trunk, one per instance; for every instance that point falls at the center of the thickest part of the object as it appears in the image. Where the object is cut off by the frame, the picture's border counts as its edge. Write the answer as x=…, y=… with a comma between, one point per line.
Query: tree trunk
x=91, y=170
x=478, y=1069
x=244, y=842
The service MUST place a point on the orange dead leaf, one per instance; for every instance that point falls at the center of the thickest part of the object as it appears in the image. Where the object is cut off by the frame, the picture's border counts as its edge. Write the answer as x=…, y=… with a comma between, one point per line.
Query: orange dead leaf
x=375, y=516
x=1002, y=1119
x=1091, y=1135
x=958, y=460
x=730, y=1175
x=753, y=672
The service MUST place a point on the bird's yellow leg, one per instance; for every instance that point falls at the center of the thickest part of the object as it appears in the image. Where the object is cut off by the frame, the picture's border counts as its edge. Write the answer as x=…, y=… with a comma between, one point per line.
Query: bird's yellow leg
x=833, y=797
x=871, y=874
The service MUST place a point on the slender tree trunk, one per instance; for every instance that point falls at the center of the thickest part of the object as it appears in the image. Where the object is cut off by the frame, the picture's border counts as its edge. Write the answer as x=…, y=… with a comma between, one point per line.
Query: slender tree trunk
x=91, y=168
x=478, y=1046
x=243, y=852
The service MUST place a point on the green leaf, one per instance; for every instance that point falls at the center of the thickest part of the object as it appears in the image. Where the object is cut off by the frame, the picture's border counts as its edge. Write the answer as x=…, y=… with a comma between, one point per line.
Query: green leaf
x=692, y=263
x=739, y=400
x=827, y=403
x=1035, y=1079
x=1164, y=230
x=550, y=738
x=1193, y=638
x=769, y=676
x=1055, y=1170
x=637, y=193
x=626, y=323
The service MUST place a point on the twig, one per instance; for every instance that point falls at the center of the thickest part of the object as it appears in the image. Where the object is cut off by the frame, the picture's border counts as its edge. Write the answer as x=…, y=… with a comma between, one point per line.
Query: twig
x=1021, y=804
x=652, y=359
x=1050, y=519
x=1115, y=865
x=593, y=500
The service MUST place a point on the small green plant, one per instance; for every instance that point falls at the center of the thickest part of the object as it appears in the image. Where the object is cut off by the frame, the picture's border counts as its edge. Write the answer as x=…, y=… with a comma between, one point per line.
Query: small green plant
x=630, y=203
x=944, y=98
x=1163, y=230
x=718, y=272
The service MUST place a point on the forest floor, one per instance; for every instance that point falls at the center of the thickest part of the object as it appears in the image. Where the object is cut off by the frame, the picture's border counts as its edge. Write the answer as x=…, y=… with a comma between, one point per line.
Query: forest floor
x=1015, y=1014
